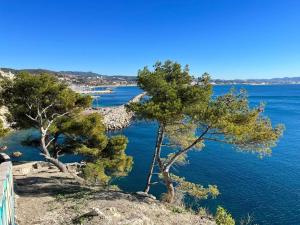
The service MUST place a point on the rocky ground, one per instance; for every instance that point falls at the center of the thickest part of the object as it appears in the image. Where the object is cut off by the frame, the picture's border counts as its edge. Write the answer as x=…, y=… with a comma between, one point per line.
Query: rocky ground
x=116, y=117
x=45, y=196
x=3, y=111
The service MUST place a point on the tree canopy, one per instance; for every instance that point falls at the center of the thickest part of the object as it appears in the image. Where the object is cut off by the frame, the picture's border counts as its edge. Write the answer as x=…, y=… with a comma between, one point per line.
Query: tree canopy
x=43, y=102
x=38, y=100
x=86, y=135
x=189, y=114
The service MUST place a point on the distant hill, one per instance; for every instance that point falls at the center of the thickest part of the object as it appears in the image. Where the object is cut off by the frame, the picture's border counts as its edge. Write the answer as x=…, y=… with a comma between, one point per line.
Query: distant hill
x=79, y=75
x=284, y=80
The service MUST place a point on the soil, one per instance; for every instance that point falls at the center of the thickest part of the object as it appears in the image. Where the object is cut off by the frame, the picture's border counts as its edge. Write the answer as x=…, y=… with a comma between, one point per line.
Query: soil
x=48, y=197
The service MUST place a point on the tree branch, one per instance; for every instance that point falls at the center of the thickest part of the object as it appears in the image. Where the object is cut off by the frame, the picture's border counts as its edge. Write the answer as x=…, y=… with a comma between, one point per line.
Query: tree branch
x=30, y=117
x=217, y=140
x=57, y=115
x=180, y=152
x=46, y=108
x=160, y=139
x=52, y=139
x=50, y=122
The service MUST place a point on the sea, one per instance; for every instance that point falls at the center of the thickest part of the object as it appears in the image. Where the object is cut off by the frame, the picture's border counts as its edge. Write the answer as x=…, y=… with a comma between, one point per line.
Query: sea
x=267, y=189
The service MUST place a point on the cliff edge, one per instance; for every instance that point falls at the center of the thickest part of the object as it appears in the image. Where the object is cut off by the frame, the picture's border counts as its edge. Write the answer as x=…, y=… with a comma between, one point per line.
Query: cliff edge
x=45, y=196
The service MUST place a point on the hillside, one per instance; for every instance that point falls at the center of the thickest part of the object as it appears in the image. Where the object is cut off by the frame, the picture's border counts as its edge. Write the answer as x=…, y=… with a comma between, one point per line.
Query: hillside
x=91, y=78
x=79, y=77
x=48, y=197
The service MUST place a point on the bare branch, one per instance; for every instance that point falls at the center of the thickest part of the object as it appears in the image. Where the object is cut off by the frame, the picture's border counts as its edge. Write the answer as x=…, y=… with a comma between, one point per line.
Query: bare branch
x=44, y=111
x=57, y=115
x=54, y=116
x=29, y=106
x=30, y=117
x=161, y=137
x=154, y=183
x=52, y=139
x=46, y=108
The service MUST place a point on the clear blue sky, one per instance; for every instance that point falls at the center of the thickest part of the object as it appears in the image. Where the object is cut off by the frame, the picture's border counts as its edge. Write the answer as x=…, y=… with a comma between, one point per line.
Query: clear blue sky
x=227, y=38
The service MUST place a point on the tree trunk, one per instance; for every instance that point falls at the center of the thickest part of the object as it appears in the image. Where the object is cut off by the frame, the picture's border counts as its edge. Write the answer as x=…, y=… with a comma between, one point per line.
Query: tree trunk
x=56, y=149
x=170, y=188
x=159, y=140
x=61, y=166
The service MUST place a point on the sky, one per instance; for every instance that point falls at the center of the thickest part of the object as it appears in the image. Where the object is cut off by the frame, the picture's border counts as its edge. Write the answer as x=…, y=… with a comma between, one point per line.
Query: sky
x=227, y=38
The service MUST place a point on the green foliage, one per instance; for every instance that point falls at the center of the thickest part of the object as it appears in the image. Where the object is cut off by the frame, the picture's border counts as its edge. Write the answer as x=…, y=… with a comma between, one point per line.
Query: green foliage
x=168, y=86
x=106, y=156
x=42, y=102
x=187, y=110
x=222, y=217
x=189, y=115
x=176, y=209
x=195, y=190
x=181, y=160
x=230, y=116
x=182, y=134
x=84, y=133
x=29, y=95
x=203, y=212
x=94, y=173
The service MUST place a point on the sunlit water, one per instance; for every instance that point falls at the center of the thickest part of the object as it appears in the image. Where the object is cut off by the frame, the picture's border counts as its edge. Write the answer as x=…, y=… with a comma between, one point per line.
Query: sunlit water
x=268, y=188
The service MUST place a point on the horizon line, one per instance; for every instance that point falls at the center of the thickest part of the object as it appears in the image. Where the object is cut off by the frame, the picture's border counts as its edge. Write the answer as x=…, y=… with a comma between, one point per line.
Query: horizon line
x=102, y=74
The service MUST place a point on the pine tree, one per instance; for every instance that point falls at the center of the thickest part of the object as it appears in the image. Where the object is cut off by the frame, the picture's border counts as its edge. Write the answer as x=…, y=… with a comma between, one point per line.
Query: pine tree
x=188, y=115
x=50, y=106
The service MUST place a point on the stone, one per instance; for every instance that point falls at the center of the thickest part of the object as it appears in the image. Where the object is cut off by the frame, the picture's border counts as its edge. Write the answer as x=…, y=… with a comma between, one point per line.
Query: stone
x=144, y=194
x=94, y=212
x=16, y=154
x=37, y=166
x=116, y=117
x=3, y=148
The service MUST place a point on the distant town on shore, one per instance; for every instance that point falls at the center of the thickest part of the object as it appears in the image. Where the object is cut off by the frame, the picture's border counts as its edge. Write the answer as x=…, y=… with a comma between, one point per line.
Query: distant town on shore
x=96, y=79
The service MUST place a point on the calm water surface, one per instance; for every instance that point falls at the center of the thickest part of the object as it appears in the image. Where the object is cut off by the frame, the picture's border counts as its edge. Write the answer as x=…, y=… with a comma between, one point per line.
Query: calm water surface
x=268, y=188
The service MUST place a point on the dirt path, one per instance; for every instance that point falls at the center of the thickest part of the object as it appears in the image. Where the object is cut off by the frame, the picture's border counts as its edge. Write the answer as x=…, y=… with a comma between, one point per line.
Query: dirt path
x=48, y=197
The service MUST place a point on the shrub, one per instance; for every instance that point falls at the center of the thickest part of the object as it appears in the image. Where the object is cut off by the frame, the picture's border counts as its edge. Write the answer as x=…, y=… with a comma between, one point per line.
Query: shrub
x=223, y=217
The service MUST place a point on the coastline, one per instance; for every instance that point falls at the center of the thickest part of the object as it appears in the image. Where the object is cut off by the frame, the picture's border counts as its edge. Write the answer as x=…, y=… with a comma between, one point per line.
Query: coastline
x=115, y=117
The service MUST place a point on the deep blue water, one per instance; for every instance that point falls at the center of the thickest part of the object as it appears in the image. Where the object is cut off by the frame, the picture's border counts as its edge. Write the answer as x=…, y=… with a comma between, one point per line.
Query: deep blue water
x=268, y=188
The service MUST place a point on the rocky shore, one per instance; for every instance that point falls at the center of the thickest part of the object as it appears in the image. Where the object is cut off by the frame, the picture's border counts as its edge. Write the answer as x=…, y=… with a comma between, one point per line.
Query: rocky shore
x=116, y=117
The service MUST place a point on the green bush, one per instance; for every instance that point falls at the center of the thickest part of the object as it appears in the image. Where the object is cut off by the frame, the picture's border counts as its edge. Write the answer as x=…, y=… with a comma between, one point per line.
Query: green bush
x=223, y=217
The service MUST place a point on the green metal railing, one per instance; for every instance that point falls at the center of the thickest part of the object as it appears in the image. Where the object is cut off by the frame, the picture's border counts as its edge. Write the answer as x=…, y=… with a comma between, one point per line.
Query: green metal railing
x=7, y=211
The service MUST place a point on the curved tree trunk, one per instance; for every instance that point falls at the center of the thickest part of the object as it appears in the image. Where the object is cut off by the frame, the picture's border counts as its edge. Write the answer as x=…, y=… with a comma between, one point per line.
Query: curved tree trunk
x=159, y=140
x=170, y=188
x=60, y=165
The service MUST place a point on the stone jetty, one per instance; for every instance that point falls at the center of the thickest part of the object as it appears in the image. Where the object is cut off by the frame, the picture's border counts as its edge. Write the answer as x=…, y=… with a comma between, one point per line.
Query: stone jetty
x=116, y=117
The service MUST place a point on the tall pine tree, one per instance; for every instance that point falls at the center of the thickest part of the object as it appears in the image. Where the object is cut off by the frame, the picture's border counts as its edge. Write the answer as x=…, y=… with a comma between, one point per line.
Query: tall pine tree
x=188, y=115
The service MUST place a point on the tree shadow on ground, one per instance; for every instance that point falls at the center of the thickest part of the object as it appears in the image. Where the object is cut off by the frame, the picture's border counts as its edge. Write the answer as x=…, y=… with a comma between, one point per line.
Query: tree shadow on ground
x=66, y=188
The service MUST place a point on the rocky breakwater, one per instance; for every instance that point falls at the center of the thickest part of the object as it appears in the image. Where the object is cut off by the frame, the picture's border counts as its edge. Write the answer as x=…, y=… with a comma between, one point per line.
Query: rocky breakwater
x=116, y=117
